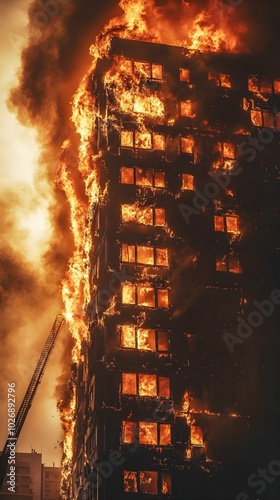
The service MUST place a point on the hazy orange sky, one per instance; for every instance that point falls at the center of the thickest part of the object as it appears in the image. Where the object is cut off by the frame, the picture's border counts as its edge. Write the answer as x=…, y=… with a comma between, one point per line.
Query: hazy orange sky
x=25, y=234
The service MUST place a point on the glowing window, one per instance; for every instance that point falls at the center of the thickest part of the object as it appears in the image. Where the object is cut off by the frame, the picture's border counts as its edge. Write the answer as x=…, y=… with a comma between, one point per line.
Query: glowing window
x=129, y=383
x=220, y=79
x=130, y=481
x=159, y=217
x=256, y=117
x=148, y=482
x=186, y=109
x=128, y=294
x=159, y=142
x=232, y=224
x=184, y=75
x=146, y=339
x=129, y=431
x=161, y=257
x=164, y=387
x=144, y=177
x=221, y=264
x=138, y=215
x=228, y=263
x=234, y=264
x=145, y=255
x=157, y=71
x=128, y=253
x=228, y=155
x=187, y=182
x=143, y=140
x=276, y=84
x=253, y=83
x=142, y=68
x=261, y=118
x=219, y=223
x=127, y=139
x=166, y=483
x=127, y=175
x=225, y=80
x=226, y=223
x=196, y=435
x=263, y=84
x=162, y=296
x=146, y=296
x=159, y=179
x=187, y=144
x=148, y=433
x=229, y=150
x=165, y=434
x=163, y=341
x=128, y=339
x=147, y=385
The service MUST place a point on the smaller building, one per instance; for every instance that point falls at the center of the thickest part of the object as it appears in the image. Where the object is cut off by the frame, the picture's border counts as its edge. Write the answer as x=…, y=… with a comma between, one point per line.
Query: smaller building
x=51, y=483
x=33, y=480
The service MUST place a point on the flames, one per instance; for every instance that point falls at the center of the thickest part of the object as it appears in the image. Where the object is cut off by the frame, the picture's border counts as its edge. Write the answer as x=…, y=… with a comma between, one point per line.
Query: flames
x=141, y=20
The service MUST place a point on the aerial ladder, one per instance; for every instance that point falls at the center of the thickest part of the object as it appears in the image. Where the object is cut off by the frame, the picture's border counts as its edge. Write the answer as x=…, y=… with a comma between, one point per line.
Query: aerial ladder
x=29, y=395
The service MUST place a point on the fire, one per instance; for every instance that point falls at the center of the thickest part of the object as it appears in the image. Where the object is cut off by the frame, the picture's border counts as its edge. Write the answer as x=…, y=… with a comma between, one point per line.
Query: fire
x=128, y=336
x=142, y=20
x=148, y=433
x=147, y=385
x=146, y=339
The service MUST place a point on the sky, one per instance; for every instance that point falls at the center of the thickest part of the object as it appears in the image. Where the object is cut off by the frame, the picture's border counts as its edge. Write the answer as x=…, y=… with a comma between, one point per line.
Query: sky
x=36, y=88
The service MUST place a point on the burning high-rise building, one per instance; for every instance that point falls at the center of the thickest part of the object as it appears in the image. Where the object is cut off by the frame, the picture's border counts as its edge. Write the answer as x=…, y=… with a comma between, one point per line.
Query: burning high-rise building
x=181, y=144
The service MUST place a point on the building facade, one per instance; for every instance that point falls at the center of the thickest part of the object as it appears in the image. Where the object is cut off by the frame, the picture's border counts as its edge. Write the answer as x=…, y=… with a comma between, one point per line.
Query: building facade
x=186, y=234
x=33, y=480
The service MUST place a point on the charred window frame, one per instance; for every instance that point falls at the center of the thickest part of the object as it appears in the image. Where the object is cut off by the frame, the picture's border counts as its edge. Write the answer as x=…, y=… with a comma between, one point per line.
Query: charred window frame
x=265, y=118
x=187, y=144
x=227, y=223
x=187, y=109
x=146, y=339
x=263, y=84
x=155, y=256
x=145, y=385
x=229, y=263
x=184, y=75
x=219, y=79
x=143, y=177
x=148, y=141
x=151, y=71
x=147, y=433
x=187, y=182
x=147, y=482
x=145, y=295
x=196, y=436
x=228, y=154
x=149, y=216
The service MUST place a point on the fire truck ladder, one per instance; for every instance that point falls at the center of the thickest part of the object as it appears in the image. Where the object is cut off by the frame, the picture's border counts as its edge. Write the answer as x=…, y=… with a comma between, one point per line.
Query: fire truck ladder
x=29, y=395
